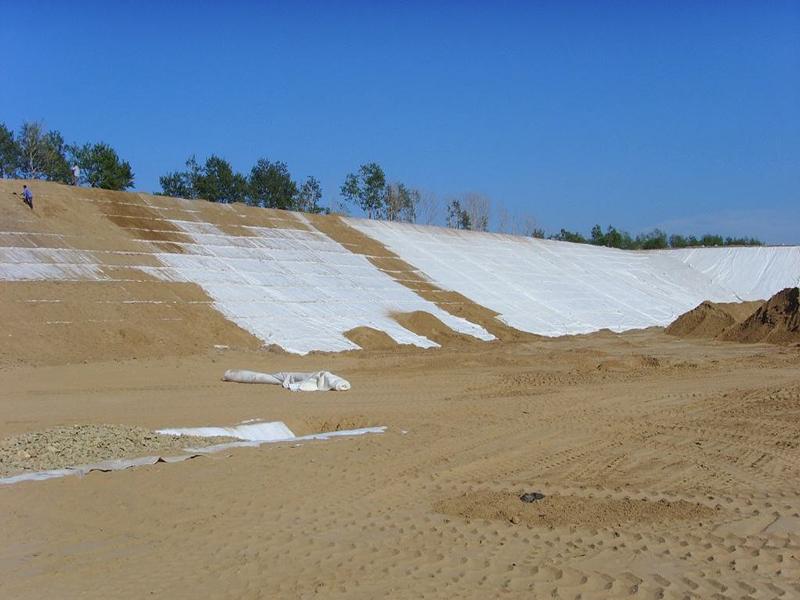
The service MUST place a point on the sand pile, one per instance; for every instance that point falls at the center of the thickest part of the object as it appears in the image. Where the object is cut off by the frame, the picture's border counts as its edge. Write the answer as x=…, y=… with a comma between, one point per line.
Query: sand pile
x=776, y=322
x=368, y=338
x=69, y=446
x=569, y=510
x=711, y=319
x=425, y=324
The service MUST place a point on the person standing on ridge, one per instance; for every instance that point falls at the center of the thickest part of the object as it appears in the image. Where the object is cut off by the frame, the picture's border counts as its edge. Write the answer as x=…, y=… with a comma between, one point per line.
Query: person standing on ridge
x=76, y=174
x=27, y=197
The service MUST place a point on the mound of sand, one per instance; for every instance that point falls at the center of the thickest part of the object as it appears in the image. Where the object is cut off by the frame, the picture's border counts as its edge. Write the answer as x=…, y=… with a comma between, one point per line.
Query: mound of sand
x=425, y=324
x=368, y=338
x=710, y=319
x=62, y=447
x=776, y=322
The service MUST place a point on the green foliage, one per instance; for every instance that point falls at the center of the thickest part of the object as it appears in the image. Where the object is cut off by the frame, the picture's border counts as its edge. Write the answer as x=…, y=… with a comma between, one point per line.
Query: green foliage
x=743, y=241
x=612, y=238
x=214, y=181
x=538, y=233
x=366, y=189
x=217, y=182
x=42, y=154
x=177, y=184
x=10, y=156
x=678, y=241
x=101, y=167
x=457, y=217
x=568, y=236
x=655, y=240
x=271, y=186
x=308, y=197
x=711, y=240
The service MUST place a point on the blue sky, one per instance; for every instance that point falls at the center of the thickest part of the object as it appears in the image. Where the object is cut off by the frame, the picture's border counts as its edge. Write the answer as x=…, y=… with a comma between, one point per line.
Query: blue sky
x=680, y=115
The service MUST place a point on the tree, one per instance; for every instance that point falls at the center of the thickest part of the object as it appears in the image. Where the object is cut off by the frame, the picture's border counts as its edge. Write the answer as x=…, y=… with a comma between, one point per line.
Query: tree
x=711, y=240
x=743, y=241
x=10, y=156
x=530, y=227
x=655, y=240
x=428, y=209
x=401, y=203
x=177, y=184
x=366, y=189
x=678, y=241
x=457, y=217
x=308, y=196
x=43, y=154
x=505, y=221
x=271, y=186
x=479, y=208
x=568, y=236
x=101, y=167
x=215, y=181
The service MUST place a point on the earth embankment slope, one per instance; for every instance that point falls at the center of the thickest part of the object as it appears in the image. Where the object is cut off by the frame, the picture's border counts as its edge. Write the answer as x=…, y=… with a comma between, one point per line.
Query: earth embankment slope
x=93, y=274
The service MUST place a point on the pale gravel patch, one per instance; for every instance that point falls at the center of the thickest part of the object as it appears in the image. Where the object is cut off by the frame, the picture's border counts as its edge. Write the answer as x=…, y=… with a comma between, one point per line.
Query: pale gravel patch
x=73, y=445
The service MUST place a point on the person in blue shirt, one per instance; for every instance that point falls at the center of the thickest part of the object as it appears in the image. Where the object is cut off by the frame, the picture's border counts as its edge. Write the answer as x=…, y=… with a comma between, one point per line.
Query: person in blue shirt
x=27, y=197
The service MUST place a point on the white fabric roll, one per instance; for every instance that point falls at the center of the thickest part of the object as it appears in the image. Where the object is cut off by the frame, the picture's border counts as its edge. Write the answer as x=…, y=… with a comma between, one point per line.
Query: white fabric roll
x=319, y=381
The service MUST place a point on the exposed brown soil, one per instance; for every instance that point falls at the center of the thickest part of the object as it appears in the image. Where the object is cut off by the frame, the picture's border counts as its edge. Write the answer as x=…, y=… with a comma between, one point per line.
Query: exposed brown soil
x=776, y=322
x=710, y=319
x=625, y=435
x=560, y=510
x=70, y=322
x=368, y=338
x=425, y=324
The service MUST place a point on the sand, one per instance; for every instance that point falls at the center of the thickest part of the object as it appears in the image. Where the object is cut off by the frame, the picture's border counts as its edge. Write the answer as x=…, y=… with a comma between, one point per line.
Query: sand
x=775, y=321
x=670, y=470
x=711, y=319
x=669, y=464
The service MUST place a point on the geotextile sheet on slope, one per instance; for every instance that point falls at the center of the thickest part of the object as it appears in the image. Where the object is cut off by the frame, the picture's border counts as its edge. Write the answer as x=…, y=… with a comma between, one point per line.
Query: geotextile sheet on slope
x=557, y=288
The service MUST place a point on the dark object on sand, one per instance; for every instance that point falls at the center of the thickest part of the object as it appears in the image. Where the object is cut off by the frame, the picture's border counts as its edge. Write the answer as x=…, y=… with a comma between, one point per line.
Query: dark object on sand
x=531, y=497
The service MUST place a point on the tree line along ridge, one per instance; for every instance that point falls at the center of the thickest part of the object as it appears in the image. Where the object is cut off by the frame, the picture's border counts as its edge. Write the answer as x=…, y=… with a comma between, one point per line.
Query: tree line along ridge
x=38, y=153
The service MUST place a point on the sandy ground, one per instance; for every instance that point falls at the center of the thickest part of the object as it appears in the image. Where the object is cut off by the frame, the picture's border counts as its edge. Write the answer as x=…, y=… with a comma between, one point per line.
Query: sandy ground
x=670, y=470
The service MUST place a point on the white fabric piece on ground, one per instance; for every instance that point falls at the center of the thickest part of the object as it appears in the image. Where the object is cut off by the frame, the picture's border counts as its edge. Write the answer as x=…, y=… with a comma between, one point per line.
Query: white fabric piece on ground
x=119, y=465
x=262, y=432
x=319, y=381
x=314, y=436
x=106, y=465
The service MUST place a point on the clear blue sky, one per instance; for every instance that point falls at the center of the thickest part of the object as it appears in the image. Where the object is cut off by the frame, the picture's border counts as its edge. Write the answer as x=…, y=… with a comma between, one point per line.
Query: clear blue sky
x=681, y=115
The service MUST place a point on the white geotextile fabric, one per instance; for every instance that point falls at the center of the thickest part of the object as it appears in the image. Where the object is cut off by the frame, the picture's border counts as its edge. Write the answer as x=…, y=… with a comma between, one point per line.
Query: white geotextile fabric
x=106, y=465
x=260, y=432
x=557, y=288
x=319, y=381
